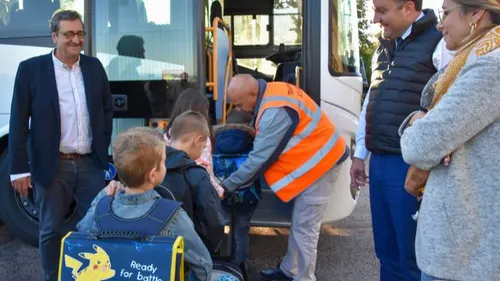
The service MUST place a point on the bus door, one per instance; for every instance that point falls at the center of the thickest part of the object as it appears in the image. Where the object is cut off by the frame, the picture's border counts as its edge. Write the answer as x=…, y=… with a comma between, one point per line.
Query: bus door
x=312, y=44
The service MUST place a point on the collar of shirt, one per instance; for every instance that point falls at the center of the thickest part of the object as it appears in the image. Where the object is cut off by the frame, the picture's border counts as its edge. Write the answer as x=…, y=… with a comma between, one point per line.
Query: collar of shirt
x=60, y=64
x=135, y=199
x=262, y=90
x=408, y=31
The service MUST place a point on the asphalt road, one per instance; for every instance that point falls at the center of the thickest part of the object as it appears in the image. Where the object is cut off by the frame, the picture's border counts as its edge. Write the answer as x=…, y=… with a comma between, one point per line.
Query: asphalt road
x=345, y=251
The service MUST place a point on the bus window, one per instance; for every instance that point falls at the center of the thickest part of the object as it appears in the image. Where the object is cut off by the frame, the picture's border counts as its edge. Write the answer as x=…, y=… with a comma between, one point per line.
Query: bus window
x=30, y=18
x=249, y=31
x=148, y=49
x=252, y=30
x=344, y=50
x=260, y=64
x=287, y=22
x=25, y=33
x=145, y=39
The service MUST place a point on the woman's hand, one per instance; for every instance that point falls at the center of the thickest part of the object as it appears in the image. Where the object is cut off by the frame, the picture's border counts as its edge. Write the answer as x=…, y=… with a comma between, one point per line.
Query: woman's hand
x=416, y=116
x=113, y=187
x=446, y=160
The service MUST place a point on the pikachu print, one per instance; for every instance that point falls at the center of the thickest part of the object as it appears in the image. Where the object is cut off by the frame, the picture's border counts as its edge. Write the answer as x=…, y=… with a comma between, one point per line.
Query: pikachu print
x=99, y=267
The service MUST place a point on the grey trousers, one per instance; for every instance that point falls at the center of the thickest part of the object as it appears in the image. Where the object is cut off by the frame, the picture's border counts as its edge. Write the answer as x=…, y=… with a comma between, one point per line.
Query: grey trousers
x=300, y=260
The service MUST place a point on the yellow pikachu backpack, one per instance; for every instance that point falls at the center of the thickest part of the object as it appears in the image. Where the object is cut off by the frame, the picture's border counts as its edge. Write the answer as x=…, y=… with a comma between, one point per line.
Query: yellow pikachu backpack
x=124, y=249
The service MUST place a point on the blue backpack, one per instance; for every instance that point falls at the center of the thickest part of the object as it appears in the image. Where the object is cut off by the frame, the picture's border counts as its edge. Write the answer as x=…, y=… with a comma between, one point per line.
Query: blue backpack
x=124, y=249
x=224, y=165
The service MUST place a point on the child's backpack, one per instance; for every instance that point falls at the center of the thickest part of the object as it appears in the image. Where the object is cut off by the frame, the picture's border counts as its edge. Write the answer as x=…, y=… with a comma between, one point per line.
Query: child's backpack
x=233, y=143
x=124, y=249
x=224, y=166
x=224, y=267
x=171, y=187
x=226, y=271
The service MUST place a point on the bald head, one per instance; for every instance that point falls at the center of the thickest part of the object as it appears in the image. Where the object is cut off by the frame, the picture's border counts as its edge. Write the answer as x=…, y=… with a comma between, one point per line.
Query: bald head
x=242, y=85
x=243, y=91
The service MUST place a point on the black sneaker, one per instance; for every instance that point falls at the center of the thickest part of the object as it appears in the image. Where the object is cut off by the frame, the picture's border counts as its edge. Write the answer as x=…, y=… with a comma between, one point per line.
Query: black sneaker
x=275, y=274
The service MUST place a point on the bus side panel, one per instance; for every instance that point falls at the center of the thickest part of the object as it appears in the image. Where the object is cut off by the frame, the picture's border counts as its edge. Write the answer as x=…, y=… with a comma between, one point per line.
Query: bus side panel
x=340, y=100
x=12, y=55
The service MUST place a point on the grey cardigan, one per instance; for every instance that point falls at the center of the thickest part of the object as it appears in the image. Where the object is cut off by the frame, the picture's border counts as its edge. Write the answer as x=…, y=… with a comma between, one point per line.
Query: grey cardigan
x=458, y=233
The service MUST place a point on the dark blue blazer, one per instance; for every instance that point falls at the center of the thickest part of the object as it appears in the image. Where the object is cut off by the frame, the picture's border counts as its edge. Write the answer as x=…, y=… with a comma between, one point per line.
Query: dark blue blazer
x=36, y=97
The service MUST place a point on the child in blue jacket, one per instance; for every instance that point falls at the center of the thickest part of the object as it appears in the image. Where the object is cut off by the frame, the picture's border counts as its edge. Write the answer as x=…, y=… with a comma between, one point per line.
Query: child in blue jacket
x=233, y=142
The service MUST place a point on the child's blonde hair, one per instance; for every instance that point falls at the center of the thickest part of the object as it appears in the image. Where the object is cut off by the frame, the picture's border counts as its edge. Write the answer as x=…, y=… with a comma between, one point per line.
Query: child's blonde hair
x=189, y=122
x=136, y=152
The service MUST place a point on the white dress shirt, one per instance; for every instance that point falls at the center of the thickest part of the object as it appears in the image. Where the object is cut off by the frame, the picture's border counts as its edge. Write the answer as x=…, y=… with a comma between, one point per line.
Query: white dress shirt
x=440, y=58
x=76, y=134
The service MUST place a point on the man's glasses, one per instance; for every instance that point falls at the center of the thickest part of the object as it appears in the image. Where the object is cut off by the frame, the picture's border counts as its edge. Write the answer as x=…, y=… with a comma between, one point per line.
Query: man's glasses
x=444, y=13
x=71, y=34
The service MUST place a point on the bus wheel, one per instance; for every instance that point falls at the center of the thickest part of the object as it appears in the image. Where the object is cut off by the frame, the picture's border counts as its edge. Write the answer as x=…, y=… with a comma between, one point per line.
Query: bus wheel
x=20, y=213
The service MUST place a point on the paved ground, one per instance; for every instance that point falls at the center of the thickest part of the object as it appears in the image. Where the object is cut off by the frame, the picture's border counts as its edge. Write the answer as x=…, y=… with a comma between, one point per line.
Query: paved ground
x=345, y=251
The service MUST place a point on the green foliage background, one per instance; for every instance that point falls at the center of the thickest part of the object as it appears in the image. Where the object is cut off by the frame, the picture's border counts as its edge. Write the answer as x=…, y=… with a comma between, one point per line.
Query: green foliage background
x=366, y=43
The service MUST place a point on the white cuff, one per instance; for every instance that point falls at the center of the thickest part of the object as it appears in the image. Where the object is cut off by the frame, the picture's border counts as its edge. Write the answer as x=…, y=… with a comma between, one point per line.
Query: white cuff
x=18, y=176
x=361, y=152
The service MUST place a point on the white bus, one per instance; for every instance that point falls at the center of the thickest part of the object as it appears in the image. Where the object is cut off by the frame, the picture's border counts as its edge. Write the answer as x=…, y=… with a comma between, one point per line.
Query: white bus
x=146, y=46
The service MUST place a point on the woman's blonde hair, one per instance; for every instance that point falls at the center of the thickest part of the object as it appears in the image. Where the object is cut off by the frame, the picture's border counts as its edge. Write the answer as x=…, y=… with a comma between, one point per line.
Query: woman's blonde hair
x=490, y=6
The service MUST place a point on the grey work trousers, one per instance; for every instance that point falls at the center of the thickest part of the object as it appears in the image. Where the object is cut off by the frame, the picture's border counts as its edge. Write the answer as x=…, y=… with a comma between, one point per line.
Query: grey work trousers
x=300, y=260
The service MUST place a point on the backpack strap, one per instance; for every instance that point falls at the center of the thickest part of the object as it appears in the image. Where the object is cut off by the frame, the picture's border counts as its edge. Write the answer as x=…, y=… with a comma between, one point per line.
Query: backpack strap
x=109, y=225
x=183, y=171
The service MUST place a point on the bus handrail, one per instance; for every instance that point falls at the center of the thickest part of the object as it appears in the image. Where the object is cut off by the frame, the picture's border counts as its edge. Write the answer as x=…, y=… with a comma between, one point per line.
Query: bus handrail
x=214, y=29
x=229, y=67
x=210, y=70
x=297, y=76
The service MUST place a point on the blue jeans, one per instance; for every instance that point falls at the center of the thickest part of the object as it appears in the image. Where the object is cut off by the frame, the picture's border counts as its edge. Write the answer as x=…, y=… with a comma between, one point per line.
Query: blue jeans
x=394, y=229
x=242, y=231
x=79, y=180
x=426, y=277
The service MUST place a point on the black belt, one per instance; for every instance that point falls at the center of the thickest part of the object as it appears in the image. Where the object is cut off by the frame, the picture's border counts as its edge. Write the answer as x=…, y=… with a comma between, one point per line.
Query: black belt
x=71, y=156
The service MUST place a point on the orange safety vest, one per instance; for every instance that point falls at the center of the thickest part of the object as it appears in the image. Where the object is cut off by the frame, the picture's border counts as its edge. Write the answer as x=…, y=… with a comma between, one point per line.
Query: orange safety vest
x=313, y=149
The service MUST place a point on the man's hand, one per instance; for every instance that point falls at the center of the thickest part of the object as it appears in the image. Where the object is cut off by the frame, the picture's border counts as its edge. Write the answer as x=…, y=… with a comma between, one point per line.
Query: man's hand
x=358, y=173
x=113, y=187
x=21, y=185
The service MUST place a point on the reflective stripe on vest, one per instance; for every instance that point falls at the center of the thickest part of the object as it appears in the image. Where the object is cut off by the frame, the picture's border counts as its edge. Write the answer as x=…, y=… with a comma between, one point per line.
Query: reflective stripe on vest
x=313, y=149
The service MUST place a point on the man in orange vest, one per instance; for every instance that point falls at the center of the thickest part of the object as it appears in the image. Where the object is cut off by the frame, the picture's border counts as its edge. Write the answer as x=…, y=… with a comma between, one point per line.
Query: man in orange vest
x=296, y=150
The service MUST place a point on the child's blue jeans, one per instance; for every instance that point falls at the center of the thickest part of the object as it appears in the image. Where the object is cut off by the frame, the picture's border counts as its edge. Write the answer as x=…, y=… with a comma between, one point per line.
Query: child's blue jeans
x=242, y=218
